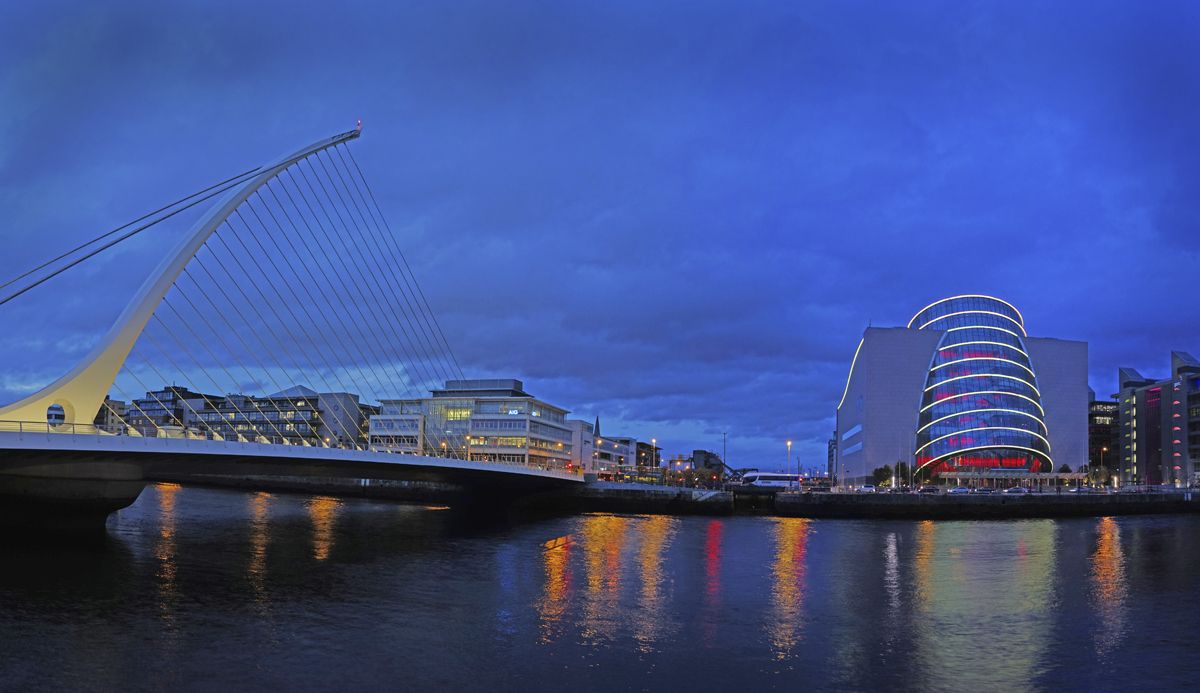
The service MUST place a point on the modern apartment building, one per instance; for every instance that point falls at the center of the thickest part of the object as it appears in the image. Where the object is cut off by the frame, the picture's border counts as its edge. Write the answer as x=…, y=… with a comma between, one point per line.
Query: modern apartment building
x=1159, y=425
x=296, y=416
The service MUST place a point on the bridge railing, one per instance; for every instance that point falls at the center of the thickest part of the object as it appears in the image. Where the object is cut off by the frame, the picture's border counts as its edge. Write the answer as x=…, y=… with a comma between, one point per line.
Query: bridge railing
x=185, y=434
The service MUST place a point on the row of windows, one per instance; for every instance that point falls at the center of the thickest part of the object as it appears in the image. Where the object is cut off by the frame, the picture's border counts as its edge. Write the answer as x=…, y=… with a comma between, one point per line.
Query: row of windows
x=549, y=431
x=499, y=441
x=300, y=428
x=255, y=415
x=498, y=424
x=549, y=445
x=385, y=424
x=408, y=441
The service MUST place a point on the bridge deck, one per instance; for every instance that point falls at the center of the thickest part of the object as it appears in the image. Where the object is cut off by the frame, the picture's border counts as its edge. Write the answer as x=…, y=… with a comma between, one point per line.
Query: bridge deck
x=23, y=447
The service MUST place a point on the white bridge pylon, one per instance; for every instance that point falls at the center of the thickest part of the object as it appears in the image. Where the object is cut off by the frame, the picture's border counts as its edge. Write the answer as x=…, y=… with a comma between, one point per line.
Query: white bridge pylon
x=81, y=391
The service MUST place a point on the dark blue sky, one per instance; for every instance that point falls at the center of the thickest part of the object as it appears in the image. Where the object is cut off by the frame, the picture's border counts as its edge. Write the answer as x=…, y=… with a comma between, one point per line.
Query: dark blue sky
x=678, y=216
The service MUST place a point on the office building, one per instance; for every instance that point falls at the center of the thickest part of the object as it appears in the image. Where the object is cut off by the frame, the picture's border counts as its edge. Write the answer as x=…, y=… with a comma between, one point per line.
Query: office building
x=1103, y=437
x=1159, y=425
x=482, y=420
x=962, y=386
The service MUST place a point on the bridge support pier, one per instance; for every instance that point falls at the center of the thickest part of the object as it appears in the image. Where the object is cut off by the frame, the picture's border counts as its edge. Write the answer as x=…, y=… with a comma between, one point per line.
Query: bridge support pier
x=42, y=493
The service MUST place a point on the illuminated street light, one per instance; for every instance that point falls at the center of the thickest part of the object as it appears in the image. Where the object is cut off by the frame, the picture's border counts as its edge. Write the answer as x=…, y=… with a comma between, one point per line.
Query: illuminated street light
x=788, y=470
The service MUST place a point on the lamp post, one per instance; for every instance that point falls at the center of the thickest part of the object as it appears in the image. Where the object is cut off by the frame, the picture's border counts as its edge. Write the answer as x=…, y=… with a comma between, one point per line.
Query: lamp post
x=789, y=462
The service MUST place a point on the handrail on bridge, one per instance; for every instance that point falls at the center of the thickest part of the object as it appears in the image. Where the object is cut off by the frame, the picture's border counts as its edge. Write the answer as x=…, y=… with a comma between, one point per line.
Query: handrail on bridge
x=124, y=431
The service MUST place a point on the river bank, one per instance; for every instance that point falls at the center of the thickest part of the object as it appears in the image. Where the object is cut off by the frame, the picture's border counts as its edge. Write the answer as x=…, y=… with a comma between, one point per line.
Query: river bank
x=613, y=497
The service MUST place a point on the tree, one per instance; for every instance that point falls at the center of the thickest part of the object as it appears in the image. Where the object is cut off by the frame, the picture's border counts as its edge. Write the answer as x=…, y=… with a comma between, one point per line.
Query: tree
x=1065, y=469
x=882, y=474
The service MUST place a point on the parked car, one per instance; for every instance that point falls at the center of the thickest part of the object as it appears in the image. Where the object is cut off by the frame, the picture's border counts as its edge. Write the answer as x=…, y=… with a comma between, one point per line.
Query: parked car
x=984, y=490
x=1016, y=490
x=1083, y=489
x=930, y=490
x=958, y=490
x=867, y=488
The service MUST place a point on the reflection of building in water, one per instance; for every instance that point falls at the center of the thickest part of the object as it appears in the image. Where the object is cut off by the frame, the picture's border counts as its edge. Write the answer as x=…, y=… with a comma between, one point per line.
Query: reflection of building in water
x=256, y=570
x=604, y=539
x=891, y=559
x=991, y=584
x=787, y=594
x=652, y=619
x=323, y=512
x=712, y=580
x=1108, y=585
x=164, y=550
x=556, y=558
x=922, y=564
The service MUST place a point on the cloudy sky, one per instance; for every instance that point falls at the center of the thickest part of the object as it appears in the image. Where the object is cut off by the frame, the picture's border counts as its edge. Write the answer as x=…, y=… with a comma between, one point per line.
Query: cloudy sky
x=676, y=216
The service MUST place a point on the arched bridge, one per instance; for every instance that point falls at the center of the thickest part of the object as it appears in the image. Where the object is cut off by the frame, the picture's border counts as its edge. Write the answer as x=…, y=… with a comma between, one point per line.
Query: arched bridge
x=292, y=280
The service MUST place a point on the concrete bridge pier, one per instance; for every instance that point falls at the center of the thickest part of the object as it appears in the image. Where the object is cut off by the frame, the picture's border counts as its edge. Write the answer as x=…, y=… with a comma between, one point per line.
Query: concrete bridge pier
x=41, y=492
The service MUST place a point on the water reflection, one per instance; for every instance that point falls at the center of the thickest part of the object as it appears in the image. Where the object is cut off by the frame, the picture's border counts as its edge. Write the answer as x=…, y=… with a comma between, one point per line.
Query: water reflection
x=556, y=559
x=1108, y=585
x=164, y=552
x=652, y=618
x=984, y=588
x=260, y=534
x=891, y=577
x=323, y=510
x=787, y=596
x=922, y=565
x=604, y=539
x=208, y=585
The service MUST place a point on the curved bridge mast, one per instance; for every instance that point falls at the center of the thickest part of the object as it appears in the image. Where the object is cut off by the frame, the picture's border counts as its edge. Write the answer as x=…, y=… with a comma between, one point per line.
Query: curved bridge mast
x=82, y=390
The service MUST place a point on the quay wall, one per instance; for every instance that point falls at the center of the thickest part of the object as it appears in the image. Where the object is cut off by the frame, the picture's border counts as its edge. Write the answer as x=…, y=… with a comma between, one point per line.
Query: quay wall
x=971, y=507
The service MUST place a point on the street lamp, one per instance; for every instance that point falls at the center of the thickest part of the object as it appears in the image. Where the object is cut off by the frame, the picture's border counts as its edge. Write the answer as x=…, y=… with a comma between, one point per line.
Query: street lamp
x=789, y=462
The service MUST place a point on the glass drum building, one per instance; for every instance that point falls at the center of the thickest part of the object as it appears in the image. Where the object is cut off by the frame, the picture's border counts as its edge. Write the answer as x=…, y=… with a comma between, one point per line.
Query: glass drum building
x=962, y=386
x=981, y=407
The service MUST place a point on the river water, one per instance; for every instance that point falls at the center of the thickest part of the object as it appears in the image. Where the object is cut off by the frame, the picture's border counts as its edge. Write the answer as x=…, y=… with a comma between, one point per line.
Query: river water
x=201, y=589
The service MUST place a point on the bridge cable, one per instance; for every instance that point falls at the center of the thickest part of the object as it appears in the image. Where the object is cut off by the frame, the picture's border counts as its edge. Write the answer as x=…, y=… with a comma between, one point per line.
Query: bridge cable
x=249, y=350
x=392, y=236
x=304, y=240
x=378, y=255
x=312, y=365
x=108, y=245
x=179, y=291
x=283, y=300
x=267, y=372
x=382, y=238
x=186, y=401
x=262, y=321
x=332, y=231
x=330, y=329
x=349, y=233
x=127, y=225
x=411, y=335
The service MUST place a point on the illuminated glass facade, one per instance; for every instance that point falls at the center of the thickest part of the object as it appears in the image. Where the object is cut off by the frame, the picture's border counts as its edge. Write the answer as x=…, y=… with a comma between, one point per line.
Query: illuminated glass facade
x=981, y=406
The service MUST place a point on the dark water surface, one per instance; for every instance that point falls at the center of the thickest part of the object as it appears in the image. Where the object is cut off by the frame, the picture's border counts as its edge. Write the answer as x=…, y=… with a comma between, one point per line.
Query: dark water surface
x=220, y=590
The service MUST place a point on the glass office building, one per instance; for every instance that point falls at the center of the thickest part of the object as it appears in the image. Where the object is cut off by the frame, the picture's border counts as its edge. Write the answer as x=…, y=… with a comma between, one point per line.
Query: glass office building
x=981, y=406
x=961, y=387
